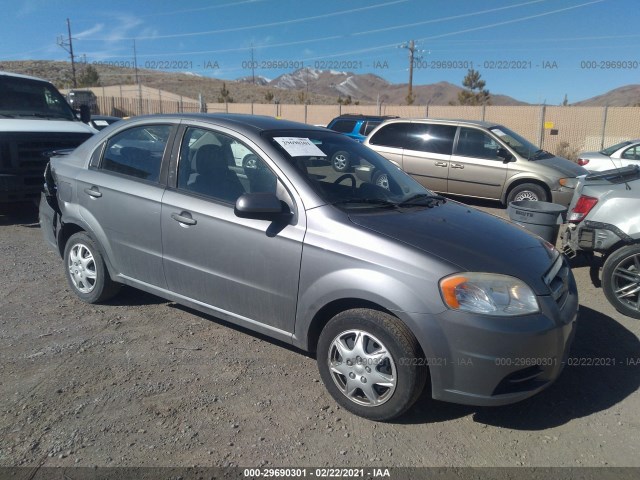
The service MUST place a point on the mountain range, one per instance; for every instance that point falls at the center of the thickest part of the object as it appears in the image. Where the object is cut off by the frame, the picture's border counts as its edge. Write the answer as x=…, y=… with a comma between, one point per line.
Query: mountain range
x=312, y=85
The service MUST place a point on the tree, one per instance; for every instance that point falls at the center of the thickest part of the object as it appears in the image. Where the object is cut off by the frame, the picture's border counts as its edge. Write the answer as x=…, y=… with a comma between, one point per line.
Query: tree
x=268, y=96
x=565, y=102
x=410, y=99
x=89, y=77
x=474, y=93
x=225, y=95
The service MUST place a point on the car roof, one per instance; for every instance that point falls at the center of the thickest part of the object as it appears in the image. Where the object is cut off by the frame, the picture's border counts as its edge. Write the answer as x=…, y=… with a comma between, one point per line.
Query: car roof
x=28, y=77
x=255, y=123
x=448, y=121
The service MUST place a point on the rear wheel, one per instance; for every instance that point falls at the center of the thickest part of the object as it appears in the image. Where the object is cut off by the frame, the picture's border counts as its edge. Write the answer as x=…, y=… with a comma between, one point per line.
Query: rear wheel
x=85, y=270
x=341, y=161
x=527, y=191
x=621, y=280
x=370, y=363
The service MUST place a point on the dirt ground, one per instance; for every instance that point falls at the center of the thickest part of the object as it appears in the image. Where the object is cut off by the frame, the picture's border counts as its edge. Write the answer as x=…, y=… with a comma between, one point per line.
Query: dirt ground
x=141, y=381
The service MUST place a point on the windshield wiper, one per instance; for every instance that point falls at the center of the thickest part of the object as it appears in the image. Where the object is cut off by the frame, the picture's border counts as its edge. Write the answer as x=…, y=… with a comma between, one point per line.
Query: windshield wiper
x=368, y=201
x=422, y=199
x=537, y=153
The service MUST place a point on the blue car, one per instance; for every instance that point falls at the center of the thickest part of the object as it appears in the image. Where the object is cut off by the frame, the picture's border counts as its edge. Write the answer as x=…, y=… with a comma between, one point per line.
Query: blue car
x=356, y=127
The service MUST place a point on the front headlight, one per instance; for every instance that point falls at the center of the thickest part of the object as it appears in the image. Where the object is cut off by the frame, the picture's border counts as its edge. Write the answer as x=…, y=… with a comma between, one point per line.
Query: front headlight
x=488, y=293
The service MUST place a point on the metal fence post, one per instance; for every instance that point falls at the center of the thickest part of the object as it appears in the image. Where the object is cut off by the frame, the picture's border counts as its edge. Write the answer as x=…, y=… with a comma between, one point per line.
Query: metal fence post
x=604, y=125
x=305, y=113
x=543, y=110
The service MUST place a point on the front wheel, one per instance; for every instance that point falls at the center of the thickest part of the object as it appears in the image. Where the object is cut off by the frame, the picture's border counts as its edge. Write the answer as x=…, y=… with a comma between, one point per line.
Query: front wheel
x=370, y=363
x=621, y=280
x=527, y=191
x=85, y=270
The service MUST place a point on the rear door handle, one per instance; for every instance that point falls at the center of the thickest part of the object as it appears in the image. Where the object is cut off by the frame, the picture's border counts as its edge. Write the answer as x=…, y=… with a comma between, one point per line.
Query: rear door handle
x=441, y=164
x=93, y=192
x=457, y=165
x=184, y=218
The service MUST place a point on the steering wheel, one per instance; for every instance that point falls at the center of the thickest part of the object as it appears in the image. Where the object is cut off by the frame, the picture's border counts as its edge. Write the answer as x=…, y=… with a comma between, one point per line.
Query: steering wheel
x=344, y=177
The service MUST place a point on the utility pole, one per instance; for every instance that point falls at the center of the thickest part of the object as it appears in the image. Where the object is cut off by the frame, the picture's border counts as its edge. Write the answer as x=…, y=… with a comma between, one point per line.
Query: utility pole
x=253, y=67
x=411, y=46
x=68, y=46
x=135, y=65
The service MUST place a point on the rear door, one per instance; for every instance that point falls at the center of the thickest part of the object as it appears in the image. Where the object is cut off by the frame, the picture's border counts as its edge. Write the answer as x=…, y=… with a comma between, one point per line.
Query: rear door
x=475, y=169
x=427, y=153
x=121, y=195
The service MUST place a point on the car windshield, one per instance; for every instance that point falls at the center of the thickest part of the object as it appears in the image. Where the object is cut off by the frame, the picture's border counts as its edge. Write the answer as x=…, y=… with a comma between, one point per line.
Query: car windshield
x=369, y=181
x=614, y=148
x=23, y=97
x=521, y=145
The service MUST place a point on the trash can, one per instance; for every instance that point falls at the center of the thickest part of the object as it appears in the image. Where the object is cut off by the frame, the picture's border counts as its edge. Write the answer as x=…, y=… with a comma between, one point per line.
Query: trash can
x=542, y=218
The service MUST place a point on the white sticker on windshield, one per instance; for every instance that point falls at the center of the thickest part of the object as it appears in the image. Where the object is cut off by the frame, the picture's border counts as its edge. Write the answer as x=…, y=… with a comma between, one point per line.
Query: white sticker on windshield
x=498, y=132
x=299, y=147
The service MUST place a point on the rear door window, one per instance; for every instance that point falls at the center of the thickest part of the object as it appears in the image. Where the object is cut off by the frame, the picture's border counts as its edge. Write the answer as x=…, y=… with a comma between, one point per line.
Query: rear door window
x=343, y=126
x=137, y=152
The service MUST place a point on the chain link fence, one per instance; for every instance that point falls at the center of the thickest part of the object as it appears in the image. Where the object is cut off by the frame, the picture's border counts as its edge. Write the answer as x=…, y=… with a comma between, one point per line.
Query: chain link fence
x=565, y=131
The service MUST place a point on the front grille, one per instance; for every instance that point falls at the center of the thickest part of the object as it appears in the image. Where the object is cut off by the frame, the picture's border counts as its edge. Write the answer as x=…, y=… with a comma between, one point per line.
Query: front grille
x=557, y=279
x=25, y=152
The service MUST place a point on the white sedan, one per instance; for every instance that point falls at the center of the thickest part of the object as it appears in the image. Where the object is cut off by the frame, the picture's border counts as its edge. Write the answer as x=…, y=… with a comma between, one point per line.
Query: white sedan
x=616, y=156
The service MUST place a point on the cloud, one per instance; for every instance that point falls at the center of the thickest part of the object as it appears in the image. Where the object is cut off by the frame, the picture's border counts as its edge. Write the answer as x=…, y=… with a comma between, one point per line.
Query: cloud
x=87, y=33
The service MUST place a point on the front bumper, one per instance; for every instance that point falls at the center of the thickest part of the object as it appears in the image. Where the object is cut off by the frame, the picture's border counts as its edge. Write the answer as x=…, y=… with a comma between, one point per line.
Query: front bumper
x=484, y=360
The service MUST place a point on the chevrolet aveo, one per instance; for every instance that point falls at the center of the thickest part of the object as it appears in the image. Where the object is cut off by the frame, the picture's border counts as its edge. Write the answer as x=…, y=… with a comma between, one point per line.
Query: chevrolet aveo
x=392, y=288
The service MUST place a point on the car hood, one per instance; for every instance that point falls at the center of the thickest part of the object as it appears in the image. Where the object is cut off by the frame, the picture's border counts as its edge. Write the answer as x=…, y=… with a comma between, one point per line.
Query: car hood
x=566, y=167
x=472, y=240
x=37, y=125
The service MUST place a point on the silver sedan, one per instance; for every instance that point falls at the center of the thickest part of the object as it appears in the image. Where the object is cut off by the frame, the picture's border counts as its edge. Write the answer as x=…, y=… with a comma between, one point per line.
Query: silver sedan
x=618, y=155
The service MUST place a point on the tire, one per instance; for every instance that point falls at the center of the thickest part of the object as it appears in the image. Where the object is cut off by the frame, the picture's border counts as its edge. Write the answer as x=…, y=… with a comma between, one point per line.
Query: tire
x=341, y=161
x=250, y=161
x=85, y=270
x=396, y=380
x=381, y=179
x=621, y=280
x=527, y=191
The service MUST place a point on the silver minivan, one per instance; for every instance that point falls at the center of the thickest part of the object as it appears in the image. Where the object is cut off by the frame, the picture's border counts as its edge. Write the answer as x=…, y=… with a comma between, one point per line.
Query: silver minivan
x=392, y=288
x=474, y=159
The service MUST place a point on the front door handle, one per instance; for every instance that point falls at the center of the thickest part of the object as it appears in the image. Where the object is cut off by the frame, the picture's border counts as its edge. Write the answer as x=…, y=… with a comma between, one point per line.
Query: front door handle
x=457, y=165
x=184, y=218
x=93, y=192
x=441, y=164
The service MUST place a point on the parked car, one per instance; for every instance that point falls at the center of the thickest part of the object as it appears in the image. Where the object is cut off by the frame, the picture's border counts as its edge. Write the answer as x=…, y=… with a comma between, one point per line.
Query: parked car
x=391, y=288
x=35, y=119
x=100, y=122
x=76, y=98
x=474, y=159
x=354, y=126
x=618, y=155
x=604, y=218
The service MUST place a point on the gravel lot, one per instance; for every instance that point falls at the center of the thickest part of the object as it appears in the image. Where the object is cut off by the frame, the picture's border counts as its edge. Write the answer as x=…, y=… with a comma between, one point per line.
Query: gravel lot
x=145, y=382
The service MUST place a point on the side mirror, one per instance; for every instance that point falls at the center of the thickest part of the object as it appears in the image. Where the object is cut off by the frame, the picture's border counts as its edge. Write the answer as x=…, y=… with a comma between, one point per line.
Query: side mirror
x=261, y=206
x=85, y=113
x=504, y=154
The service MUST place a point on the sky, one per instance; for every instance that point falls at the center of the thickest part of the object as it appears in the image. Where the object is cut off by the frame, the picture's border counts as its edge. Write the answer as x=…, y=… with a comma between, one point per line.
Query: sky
x=536, y=51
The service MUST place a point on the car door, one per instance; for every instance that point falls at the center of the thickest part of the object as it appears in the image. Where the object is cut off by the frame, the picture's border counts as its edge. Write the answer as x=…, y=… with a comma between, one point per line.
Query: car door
x=245, y=269
x=120, y=196
x=475, y=169
x=631, y=156
x=427, y=153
